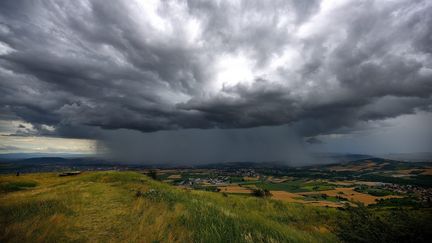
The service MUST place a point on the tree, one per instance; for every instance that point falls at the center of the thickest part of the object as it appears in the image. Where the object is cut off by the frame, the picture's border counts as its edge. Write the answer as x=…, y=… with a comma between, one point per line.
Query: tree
x=152, y=174
x=360, y=224
x=261, y=192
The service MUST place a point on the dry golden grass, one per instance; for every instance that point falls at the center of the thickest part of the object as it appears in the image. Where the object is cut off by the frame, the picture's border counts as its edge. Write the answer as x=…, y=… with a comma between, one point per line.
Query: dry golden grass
x=105, y=207
x=235, y=189
x=101, y=212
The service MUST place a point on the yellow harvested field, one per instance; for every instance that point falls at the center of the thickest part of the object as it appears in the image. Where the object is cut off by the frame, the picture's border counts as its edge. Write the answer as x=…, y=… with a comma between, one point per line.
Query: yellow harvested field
x=286, y=196
x=367, y=183
x=408, y=171
x=174, y=177
x=354, y=182
x=346, y=192
x=428, y=171
x=277, y=180
x=249, y=178
x=423, y=171
x=343, y=183
x=351, y=195
x=235, y=189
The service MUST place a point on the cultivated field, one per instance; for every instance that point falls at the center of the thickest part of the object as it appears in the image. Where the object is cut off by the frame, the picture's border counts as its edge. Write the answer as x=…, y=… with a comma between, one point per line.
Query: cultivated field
x=235, y=189
x=351, y=195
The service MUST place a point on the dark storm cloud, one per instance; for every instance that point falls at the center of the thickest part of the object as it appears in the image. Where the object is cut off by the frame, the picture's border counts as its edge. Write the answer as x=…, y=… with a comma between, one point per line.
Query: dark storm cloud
x=79, y=67
x=195, y=146
x=313, y=141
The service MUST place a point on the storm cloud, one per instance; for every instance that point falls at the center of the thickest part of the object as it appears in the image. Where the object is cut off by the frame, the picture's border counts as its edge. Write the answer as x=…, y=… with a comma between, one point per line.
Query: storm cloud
x=320, y=67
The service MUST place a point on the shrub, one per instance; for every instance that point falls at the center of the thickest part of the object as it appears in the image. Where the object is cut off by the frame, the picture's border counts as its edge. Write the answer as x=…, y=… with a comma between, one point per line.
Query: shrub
x=153, y=174
x=261, y=192
x=16, y=186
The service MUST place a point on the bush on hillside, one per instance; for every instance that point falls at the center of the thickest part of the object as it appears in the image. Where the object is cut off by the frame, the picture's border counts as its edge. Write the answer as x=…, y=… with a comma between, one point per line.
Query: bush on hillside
x=152, y=174
x=261, y=192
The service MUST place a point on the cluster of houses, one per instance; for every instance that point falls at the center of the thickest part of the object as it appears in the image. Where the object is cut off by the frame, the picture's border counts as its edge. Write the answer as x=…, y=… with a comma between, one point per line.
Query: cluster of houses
x=424, y=194
x=238, y=172
x=248, y=173
x=220, y=180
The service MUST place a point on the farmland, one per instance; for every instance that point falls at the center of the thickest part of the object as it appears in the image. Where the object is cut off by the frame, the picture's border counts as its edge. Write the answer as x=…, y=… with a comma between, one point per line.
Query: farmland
x=250, y=204
x=367, y=182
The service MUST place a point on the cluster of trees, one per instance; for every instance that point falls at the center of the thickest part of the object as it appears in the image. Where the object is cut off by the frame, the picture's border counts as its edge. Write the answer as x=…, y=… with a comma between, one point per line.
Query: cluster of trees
x=361, y=224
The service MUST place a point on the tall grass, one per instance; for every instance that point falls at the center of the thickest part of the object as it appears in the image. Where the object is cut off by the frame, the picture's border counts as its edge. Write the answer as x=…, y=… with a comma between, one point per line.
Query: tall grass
x=105, y=207
x=13, y=186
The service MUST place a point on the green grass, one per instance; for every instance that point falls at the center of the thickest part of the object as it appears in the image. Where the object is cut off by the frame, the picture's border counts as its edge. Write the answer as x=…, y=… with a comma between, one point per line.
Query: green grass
x=297, y=186
x=16, y=185
x=360, y=224
x=105, y=207
x=378, y=192
x=419, y=180
x=130, y=207
x=321, y=197
x=400, y=202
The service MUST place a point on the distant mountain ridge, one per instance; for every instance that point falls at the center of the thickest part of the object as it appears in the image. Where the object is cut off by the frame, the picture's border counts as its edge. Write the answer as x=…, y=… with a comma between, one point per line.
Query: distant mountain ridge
x=416, y=157
x=16, y=156
x=55, y=163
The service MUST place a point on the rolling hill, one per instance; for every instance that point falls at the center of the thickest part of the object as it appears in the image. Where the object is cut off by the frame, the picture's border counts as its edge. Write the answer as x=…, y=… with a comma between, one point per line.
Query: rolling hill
x=129, y=207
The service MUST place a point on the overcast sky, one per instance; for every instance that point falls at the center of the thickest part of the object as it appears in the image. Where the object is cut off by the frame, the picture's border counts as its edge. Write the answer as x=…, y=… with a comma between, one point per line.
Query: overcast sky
x=216, y=80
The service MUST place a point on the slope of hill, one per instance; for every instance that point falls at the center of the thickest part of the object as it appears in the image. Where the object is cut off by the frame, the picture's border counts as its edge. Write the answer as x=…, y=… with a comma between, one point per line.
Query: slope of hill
x=117, y=206
x=129, y=207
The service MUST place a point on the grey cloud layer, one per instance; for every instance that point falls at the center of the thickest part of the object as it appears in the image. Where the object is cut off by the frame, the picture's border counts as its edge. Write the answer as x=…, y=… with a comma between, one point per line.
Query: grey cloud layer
x=83, y=65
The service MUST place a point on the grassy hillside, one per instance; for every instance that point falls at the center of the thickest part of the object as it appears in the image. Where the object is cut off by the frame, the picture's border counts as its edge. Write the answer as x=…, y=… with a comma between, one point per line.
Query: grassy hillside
x=128, y=206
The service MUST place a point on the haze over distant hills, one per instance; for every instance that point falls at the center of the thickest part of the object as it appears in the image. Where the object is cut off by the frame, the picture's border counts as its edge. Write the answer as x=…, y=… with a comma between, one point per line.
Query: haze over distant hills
x=15, y=156
x=34, y=162
x=416, y=157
